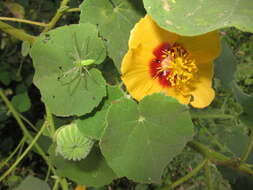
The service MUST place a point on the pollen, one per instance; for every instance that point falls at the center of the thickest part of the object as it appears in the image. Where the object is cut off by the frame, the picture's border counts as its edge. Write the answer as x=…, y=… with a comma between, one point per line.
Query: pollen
x=173, y=66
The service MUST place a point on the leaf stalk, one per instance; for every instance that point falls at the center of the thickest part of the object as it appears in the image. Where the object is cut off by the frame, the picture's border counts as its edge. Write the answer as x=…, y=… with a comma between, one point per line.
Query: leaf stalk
x=23, y=21
x=73, y=10
x=61, y=10
x=188, y=176
x=208, y=175
x=220, y=159
x=17, y=33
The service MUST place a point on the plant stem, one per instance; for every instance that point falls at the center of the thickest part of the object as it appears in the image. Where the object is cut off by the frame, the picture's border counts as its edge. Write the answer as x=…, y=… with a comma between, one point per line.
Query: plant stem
x=21, y=148
x=48, y=173
x=208, y=176
x=28, y=122
x=211, y=116
x=219, y=158
x=188, y=176
x=248, y=148
x=16, y=115
x=73, y=10
x=17, y=33
x=23, y=21
x=63, y=7
x=23, y=154
x=56, y=184
x=50, y=121
x=25, y=131
x=2, y=164
x=63, y=182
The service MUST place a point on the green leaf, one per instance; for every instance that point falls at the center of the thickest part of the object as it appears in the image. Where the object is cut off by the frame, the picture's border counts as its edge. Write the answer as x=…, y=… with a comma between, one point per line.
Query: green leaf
x=3, y=114
x=13, y=181
x=25, y=48
x=225, y=66
x=93, y=125
x=92, y=171
x=115, y=19
x=21, y=102
x=244, y=99
x=15, y=8
x=194, y=17
x=247, y=119
x=67, y=87
x=225, y=138
x=140, y=140
x=141, y=187
x=31, y=183
x=237, y=179
x=232, y=138
x=20, y=88
x=5, y=77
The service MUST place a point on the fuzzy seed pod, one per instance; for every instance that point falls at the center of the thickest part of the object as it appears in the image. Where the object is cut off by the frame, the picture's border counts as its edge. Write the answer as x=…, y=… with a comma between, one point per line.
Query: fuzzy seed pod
x=71, y=144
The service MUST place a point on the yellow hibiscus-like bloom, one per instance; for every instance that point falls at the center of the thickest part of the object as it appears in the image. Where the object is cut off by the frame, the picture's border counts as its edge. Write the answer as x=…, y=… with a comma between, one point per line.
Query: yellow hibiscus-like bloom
x=161, y=61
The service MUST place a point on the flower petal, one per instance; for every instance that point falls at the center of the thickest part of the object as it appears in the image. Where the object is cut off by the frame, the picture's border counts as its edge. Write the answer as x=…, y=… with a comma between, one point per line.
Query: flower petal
x=148, y=33
x=183, y=99
x=203, y=48
x=136, y=73
x=203, y=93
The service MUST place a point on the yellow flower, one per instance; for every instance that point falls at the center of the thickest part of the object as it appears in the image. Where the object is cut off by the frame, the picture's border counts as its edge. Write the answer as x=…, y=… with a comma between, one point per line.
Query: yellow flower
x=161, y=61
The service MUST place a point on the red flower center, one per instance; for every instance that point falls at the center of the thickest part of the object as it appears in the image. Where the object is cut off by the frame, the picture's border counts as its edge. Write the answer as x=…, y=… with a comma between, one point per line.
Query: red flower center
x=172, y=65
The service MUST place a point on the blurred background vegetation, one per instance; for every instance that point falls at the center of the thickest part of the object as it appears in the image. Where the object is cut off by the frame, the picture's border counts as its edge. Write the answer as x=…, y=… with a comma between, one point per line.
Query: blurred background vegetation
x=16, y=73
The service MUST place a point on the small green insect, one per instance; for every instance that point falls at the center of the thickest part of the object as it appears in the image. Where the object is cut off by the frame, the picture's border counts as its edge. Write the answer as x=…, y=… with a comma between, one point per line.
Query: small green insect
x=82, y=64
x=86, y=62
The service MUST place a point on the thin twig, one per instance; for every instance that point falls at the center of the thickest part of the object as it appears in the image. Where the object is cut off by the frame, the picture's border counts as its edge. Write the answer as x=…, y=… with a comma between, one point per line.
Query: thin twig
x=2, y=164
x=25, y=131
x=13, y=166
x=23, y=21
x=188, y=176
x=29, y=136
x=28, y=122
x=48, y=173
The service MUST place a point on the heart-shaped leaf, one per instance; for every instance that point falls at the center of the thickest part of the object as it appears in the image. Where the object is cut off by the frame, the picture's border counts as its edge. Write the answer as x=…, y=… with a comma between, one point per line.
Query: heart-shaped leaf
x=141, y=139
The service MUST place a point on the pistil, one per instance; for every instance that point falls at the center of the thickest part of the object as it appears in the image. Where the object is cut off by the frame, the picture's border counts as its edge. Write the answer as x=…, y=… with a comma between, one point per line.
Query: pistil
x=173, y=66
